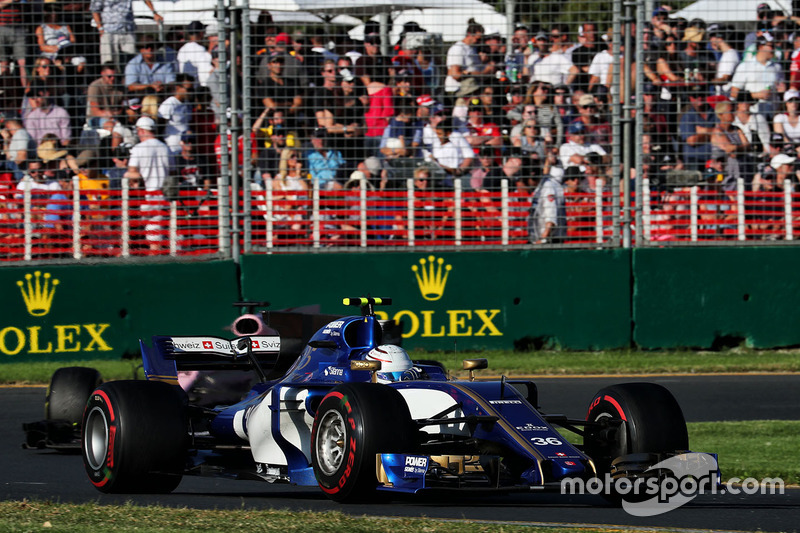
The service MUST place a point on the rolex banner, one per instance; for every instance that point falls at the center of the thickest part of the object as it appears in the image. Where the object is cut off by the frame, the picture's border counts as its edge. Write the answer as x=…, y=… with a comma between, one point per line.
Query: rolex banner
x=571, y=299
x=70, y=313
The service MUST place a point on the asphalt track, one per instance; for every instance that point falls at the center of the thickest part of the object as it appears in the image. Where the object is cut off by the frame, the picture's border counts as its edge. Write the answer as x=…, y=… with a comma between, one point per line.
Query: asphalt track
x=51, y=476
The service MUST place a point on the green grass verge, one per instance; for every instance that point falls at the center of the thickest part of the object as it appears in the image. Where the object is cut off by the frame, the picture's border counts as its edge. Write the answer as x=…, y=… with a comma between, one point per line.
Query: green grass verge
x=37, y=517
x=505, y=362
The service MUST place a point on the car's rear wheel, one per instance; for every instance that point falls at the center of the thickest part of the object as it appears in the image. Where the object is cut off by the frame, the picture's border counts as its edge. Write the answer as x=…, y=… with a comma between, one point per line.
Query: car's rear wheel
x=68, y=393
x=352, y=424
x=639, y=418
x=134, y=437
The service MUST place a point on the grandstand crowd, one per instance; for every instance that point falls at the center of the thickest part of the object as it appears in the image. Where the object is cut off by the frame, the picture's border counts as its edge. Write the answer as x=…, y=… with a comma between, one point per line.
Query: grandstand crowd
x=85, y=93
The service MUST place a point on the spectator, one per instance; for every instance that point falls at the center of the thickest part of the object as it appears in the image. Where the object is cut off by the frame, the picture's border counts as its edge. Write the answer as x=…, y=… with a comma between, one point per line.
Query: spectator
x=695, y=58
x=350, y=110
x=598, y=131
x=520, y=115
x=148, y=168
x=517, y=57
x=451, y=152
x=485, y=174
x=372, y=66
x=324, y=164
x=323, y=97
x=728, y=60
x=462, y=58
x=148, y=73
x=11, y=91
x=279, y=91
x=149, y=162
x=759, y=77
x=479, y=132
x=13, y=34
x=540, y=48
x=583, y=55
x=575, y=151
x=193, y=58
x=187, y=166
x=119, y=158
x=426, y=64
x=557, y=67
x=45, y=117
x=46, y=75
x=18, y=146
x=177, y=112
x=379, y=110
x=271, y=138
x=531, y=144
x=547, y=218
x=52, y=37
x=695, y=128
x=104, y=98
x=403, y=134
x=114, y=22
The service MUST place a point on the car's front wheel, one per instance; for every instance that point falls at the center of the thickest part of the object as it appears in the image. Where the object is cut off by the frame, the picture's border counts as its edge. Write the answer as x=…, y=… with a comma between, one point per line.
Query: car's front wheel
x=352, y=424
x=134, y=437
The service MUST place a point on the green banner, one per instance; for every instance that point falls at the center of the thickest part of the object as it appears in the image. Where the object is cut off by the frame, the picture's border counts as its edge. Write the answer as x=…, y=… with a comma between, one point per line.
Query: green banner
x=572, y=299
x=88, y=312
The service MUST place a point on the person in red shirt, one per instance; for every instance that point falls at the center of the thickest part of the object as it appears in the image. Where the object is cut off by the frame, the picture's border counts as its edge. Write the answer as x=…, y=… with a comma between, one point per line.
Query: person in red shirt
x=481, y=133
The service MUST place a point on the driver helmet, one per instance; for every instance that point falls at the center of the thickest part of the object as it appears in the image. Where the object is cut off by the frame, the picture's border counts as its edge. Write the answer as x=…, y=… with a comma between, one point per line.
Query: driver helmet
x=394, y=361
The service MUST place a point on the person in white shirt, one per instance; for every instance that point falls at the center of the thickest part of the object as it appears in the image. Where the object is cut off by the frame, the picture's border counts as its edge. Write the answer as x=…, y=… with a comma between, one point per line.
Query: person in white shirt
x=193, y=58
x=727, y=63
x=759, y=76
x=178, y=115
x=557, y=68
x=463, y=59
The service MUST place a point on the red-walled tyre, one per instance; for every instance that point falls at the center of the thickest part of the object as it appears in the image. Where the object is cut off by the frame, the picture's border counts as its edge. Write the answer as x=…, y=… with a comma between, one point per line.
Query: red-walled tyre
x=353, y=423
x=135, y=436
x=645, y=419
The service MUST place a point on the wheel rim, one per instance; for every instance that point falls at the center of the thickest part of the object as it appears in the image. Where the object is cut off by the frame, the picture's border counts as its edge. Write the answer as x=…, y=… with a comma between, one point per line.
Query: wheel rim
x=96, y=438
x=330, y=442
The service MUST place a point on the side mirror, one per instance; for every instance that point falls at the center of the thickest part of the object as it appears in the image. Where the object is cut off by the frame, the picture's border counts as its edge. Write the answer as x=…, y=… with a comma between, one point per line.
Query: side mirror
x=474, y=364
x=371, y=366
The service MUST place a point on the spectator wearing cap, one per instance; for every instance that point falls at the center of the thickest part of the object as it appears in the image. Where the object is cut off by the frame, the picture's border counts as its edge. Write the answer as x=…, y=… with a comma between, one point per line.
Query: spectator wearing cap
x=547, y=218
x=148, y=167
x=114, y=22
x=695, y=126
x=271, y=139
x=149, y=162
x=539, y=49
x=349, y=111
x=727, y=62
x=766, y=210
x=193, y=58
x=598, y=130
x=148, y=73
x=759, y=77
x=104, y=99
x=574, y=151
x=280, y=91
x=479, y=132
x=324, y=164
x=764, y=16
x=462, y=59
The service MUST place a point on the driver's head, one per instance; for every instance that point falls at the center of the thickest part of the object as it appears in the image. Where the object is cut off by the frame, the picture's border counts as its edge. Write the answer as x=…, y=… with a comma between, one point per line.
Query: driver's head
x=394, y=361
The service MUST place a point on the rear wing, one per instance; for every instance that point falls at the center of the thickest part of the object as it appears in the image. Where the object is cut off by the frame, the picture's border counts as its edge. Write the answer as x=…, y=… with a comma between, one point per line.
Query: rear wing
x=170, y=354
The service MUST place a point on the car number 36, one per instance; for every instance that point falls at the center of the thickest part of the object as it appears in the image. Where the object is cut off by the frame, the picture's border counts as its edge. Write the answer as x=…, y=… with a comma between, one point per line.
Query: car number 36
x=549, y=441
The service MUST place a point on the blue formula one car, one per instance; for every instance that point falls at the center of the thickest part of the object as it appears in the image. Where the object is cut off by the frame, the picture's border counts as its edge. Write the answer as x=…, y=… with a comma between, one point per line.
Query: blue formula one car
x=358, y=418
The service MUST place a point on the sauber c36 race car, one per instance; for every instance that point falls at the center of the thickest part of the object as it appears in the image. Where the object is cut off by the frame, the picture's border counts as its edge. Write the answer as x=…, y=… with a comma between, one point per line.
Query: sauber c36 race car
x=351, y=417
